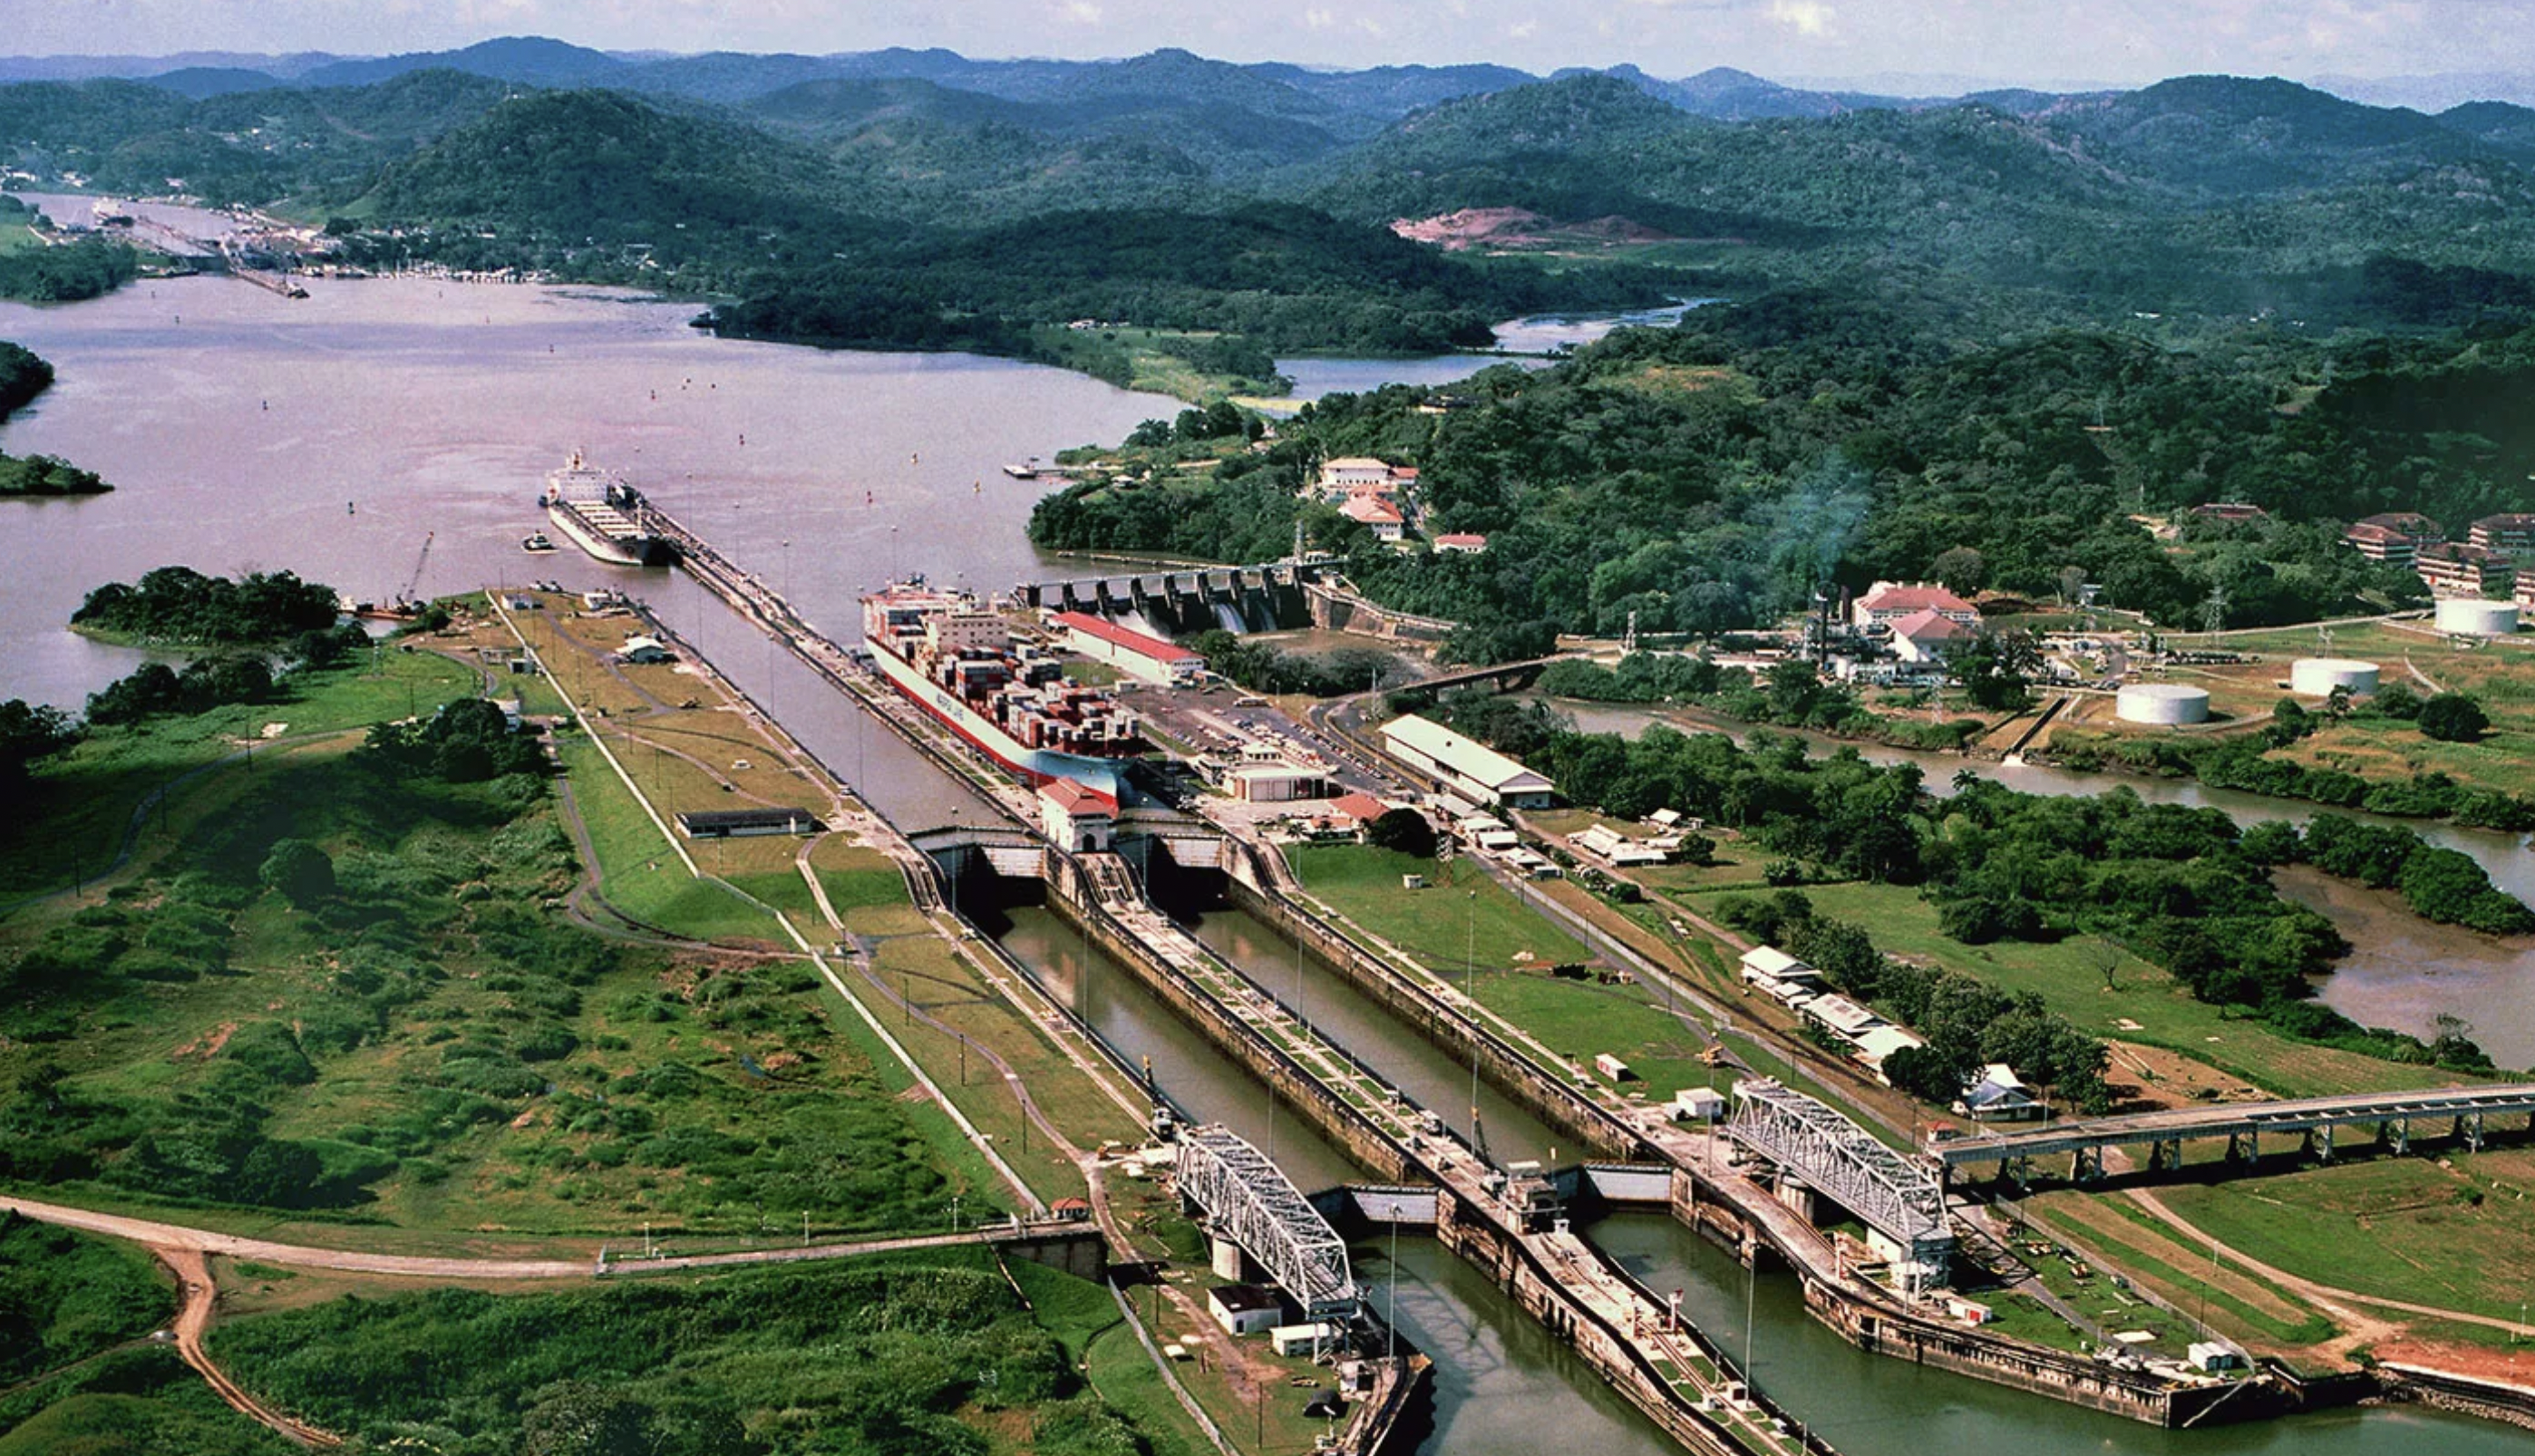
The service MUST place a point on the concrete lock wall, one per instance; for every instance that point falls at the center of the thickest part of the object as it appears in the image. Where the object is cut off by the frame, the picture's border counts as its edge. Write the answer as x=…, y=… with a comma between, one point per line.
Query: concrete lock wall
x=1073, y=900
x=1080, y=1251
x=1529, y=1086
x=1513, y=1268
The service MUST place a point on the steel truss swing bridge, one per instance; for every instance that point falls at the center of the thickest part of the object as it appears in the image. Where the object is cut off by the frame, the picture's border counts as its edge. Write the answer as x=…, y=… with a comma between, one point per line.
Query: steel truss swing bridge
x=1898, y=1196
x=1255, y=1205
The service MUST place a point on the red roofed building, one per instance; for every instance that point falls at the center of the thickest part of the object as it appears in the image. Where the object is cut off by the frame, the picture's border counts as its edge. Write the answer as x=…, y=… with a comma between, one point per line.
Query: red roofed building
x=2231, y=511
x=1887, y=603
x=2514, y=532
x=1927, y=636
x=1076, y=816
x=1361, y=809
x=1373, y=511
x=1468, y=543
x=2395, y=536
x=1129, y=651
x=2454, y=568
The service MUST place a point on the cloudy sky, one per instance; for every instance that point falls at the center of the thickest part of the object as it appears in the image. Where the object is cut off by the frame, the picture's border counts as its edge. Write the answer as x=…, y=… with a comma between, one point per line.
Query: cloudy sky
x=2009, y=40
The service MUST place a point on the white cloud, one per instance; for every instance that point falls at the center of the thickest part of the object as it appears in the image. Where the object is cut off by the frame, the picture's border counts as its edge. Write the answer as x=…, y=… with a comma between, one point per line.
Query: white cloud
x=1317, y=20
x=1522, y=29
x=1804, y=16
x=1080, y=13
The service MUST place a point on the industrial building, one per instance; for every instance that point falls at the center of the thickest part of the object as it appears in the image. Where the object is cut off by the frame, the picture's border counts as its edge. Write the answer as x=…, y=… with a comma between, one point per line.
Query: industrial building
x=743, y=823
x=1128, y=651
x=1889, y=602
x=1244, y=1309
x=1465, y=765
x=1779, y=976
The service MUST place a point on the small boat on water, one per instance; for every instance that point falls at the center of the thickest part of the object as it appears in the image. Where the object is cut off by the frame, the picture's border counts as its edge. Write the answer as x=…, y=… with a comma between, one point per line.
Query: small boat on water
x=536, y=541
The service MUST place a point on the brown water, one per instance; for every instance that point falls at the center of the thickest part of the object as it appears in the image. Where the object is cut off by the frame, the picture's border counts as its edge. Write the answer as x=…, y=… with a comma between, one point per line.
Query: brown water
x=330, y=435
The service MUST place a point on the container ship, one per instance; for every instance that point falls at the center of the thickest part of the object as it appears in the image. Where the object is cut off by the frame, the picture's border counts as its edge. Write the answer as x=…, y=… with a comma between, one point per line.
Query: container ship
x=599, y=514
x=960, y=664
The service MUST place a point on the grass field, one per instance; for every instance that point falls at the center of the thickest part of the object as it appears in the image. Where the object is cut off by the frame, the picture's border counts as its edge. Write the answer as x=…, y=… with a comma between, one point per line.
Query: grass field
x=2452, y=1233
x=2501, y=674
x=2144, y=1004
x=1461, y=916
x=76, y=815
x=1581, y=1019
x=2238, y=1303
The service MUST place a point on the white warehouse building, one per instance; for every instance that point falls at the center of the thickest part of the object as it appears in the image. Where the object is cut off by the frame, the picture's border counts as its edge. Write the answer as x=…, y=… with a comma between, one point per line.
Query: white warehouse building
x=1465, y=765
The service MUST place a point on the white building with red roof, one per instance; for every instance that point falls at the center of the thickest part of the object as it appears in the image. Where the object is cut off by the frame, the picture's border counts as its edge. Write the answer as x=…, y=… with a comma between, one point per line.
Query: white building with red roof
x=1889, y=602
x=1373, y=511
x=1926, y=637
x=1080, y=819
x=1129, y=651
x=1464, y=543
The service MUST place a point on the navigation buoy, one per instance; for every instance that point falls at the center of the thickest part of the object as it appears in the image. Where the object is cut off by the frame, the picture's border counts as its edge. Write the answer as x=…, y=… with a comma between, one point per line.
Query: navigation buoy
x=867, y=498
x=347, y=509
x=264, y=404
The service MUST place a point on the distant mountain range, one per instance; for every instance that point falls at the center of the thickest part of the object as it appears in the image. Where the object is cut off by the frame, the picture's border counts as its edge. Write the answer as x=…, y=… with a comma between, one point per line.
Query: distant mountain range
x=1385, y=92
x=2210, y=193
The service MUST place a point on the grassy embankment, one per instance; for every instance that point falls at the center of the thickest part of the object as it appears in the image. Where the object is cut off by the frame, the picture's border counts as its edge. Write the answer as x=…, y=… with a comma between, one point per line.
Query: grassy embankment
x=84, y=801
x=1463, y=915
x=1147, y=360
x=944, y=1351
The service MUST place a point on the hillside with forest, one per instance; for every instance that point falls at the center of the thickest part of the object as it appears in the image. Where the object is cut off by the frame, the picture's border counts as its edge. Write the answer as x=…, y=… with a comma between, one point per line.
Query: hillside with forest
x=1709, y=477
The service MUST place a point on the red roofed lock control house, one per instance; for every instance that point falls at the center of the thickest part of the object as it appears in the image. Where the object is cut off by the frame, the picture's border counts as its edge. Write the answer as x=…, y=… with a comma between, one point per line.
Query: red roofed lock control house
x=1927, y=638
x=1128, y=651
x=1078, y=818
x=1889, y=602
x=1376, y=512
x=2395, y=535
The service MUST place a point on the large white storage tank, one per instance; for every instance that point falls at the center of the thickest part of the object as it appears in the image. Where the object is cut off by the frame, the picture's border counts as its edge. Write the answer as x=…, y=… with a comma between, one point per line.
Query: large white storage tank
x=2466, y=616
x=2317, y=677
x=2164, y=703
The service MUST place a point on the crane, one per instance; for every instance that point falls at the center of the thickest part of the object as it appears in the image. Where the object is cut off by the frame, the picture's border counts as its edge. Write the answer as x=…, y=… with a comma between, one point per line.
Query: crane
x=414, y=582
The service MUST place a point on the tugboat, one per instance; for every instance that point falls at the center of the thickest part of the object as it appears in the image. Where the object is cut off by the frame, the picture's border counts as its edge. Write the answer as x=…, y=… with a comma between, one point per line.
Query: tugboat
x=536, y=541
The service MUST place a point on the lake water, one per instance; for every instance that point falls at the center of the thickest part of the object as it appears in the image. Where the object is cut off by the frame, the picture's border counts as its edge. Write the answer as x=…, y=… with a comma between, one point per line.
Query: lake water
x=1523, y=342
x=331, y=435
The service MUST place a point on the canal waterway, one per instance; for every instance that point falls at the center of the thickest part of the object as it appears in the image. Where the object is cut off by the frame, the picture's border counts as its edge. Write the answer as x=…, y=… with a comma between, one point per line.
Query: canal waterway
x=1347, y=1017
x=1868, y=1404
x=2403, y=972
